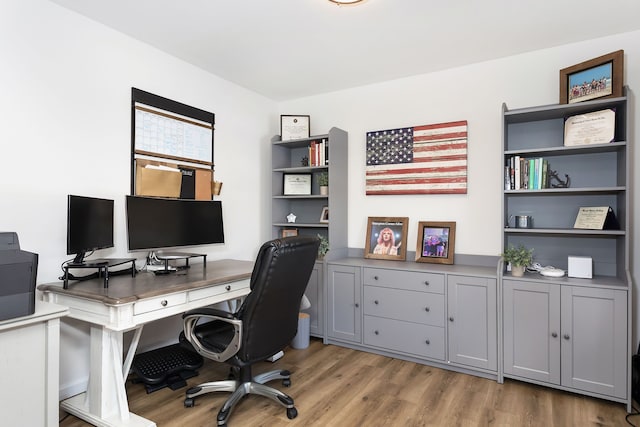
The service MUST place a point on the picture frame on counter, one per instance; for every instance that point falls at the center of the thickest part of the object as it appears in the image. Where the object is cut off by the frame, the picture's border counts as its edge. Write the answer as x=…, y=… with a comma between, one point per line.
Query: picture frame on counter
x=600, y=77
x=386, y=238
x=324, y=215
x=294, y=127
x=436, y=242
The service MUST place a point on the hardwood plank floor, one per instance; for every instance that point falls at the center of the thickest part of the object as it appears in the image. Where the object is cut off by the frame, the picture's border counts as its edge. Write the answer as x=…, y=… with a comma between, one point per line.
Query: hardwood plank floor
x=335, y=386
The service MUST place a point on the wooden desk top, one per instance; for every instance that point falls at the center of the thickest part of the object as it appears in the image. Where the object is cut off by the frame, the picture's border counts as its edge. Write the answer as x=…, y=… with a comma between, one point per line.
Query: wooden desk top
x=125, y=289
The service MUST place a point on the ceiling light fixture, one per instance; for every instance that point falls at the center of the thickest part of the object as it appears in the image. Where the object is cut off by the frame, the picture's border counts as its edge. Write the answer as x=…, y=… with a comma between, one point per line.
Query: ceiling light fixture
x=346, y=2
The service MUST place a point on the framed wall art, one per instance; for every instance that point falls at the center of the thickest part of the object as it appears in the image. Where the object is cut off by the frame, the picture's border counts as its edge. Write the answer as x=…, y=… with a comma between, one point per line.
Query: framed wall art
x=294, y=127
x=436, y=242
x=599, y=77
x=386, y=238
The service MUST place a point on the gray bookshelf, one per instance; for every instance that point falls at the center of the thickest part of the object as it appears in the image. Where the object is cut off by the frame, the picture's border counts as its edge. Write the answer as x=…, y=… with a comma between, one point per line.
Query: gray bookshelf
x=569, y=333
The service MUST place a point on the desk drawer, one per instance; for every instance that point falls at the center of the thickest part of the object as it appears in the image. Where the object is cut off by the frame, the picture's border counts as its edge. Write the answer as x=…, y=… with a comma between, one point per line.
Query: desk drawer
x=412, y=306
x=159, y=303
x=218, y=290
x=409, y=280
x=405, y=337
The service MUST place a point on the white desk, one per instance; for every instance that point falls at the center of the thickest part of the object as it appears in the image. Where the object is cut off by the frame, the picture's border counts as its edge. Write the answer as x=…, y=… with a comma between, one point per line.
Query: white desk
x=127, y=304
x=29, y=366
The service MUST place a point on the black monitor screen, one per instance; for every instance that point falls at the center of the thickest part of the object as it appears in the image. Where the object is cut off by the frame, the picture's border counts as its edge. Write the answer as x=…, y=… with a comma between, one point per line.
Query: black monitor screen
x=89, y=225
x=155, y=223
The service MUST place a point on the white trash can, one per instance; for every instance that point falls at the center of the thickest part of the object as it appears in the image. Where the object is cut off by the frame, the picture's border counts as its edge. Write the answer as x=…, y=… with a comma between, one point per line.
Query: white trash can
x=301, y=340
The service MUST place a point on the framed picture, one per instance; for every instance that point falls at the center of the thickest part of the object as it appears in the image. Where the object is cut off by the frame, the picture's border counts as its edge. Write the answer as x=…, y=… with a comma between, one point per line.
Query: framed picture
x=296, y=184
x=436, y=242
x=386, y=238
x=599, y=77
x=294, y=127
x=324, y=216
x=288, y=232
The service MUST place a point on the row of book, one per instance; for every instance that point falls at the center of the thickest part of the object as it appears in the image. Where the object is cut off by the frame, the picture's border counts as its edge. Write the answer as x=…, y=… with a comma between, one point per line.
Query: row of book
x=526, y=173
x=319, y=152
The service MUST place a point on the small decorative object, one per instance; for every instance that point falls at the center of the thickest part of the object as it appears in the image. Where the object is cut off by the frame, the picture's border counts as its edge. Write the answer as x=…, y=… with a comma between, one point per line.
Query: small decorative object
x=386, y=238
x=599, y=77
x=520, y=221
x=596, y=218
x=324, y=246
x=304, y=161
x=324, y=216
x=519, y=258
x=288, y=232
x=553, y=176
x=294, y=127
x=323, y=182
x=291, y=218
x=436, y=242
x=296, y=184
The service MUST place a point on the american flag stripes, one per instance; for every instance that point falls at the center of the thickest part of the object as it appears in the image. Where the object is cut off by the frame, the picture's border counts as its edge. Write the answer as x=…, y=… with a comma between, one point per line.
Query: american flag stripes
x=430, y=159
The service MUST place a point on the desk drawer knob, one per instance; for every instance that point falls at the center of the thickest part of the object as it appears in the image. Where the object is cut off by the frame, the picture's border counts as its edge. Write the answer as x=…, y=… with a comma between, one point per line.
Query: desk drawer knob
x=426, y=309
x=376, y=302
x=228, y=287
x=164, y=303
x=450, y=319
x=376, y=332
x=427, y=342
x=375, y=277
x=426, y=282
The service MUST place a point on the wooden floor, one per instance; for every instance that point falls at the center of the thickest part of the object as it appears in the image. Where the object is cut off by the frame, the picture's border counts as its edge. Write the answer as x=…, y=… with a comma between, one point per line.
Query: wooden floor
x=335, y=386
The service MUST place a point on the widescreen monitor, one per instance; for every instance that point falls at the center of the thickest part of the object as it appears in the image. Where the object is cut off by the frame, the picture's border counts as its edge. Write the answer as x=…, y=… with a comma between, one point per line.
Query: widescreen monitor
x=159, y=223
x=89, y=225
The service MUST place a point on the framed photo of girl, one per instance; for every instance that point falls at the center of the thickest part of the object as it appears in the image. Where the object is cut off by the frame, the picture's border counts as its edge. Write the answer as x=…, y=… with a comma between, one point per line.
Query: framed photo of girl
x=436, y=242
x=386, y=238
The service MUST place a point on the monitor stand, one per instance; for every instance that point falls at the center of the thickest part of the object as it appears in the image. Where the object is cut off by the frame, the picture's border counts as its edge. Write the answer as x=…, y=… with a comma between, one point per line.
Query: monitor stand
x=171, y=256
x=102, y=264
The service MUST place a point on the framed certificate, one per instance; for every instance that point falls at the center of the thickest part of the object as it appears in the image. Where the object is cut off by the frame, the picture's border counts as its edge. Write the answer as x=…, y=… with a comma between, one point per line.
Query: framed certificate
x=296, y=184
x=294, y=127
x=597, y=127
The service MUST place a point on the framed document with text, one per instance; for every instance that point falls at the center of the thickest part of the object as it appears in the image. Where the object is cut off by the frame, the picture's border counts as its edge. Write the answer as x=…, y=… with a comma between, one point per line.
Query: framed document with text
x=296, y=184
x=294, y=127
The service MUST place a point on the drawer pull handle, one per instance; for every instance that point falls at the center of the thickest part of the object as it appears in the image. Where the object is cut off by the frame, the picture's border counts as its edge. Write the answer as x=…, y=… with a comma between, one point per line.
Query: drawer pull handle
x=164, y=303
x=426, y=309
x=450, y=319
x=376, y=332
x=375, y=277
x=428, y=342
x=554, y=334
x=357, y=305
x=228, y=287
x=376, y=302
x=426, y=282
x=566, y=337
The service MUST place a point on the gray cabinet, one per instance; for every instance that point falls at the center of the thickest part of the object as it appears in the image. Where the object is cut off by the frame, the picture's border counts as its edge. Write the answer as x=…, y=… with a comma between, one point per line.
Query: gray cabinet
x=472, y=321
x=344, y=314
x=314, y=293
x=569, y=336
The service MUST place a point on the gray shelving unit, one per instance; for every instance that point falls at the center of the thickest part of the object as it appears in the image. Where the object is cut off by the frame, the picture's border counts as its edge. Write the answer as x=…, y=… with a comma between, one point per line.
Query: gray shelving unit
x=569, y=333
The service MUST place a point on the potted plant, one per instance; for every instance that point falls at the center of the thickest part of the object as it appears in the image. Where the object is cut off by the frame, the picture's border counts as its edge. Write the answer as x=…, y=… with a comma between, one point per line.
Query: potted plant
x=324, y=246
x=323, y=182
x=519, y=258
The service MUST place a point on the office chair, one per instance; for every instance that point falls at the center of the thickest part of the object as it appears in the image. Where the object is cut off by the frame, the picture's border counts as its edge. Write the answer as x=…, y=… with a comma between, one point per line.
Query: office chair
x=264, y=324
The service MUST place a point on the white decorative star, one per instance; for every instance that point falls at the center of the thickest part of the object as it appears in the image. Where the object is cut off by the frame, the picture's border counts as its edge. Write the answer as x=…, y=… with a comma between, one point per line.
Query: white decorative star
x=291, y=218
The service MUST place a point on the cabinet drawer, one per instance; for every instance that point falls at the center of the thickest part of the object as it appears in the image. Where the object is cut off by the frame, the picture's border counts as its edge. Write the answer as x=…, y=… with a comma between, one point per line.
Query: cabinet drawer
x=412, y=306
x=405, y=337
x=159, y=303
x=409, y=280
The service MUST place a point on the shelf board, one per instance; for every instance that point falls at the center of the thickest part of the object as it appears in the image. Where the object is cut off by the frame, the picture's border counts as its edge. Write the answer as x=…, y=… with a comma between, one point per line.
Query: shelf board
x=310, y=196
x=565, y=231
x=563, y=151
x=565, y=191
x=297, y=143
x=301, y=224
x=596, y=281
x=303, y=169
x=556, y=111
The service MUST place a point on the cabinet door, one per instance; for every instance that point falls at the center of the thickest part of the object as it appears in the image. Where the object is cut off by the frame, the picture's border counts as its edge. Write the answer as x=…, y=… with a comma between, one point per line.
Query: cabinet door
x=594, y=336
x=314, y=294
x=344, y=314
x=532, y=330
x=472, y=324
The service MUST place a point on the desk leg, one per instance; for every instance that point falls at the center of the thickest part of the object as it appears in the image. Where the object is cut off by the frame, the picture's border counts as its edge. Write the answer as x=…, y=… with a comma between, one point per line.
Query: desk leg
x=105, y=402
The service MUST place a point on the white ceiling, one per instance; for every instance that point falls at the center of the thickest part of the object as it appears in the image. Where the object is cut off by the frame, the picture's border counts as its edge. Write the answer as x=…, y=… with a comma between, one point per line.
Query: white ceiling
x=287, y=49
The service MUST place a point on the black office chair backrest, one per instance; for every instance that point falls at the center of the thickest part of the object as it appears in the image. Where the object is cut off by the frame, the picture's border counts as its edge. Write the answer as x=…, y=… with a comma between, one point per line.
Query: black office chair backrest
x=270, y=312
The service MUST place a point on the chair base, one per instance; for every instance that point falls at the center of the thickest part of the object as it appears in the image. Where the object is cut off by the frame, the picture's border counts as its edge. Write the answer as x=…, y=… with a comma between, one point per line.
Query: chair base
x=239, y=389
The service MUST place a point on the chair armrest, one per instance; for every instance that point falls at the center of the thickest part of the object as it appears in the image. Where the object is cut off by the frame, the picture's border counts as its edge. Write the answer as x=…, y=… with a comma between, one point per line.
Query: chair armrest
x=190, y=321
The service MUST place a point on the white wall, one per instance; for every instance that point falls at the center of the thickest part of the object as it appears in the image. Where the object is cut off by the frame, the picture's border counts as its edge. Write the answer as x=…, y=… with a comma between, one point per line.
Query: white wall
x=66, y=122
x=474, y=93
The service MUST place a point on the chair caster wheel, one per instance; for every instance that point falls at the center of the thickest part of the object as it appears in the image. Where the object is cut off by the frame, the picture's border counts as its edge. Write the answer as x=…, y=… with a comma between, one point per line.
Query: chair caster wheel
x=189, y=402
x=286, y=382
x=292, y=413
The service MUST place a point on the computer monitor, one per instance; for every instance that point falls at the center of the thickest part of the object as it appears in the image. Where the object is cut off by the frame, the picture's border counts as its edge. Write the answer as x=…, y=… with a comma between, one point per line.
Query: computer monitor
x=159, y=223
x=89, y=225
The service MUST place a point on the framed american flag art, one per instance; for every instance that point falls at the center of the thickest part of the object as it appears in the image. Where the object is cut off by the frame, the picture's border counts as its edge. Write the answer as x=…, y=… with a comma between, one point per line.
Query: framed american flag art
x=429, y=159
